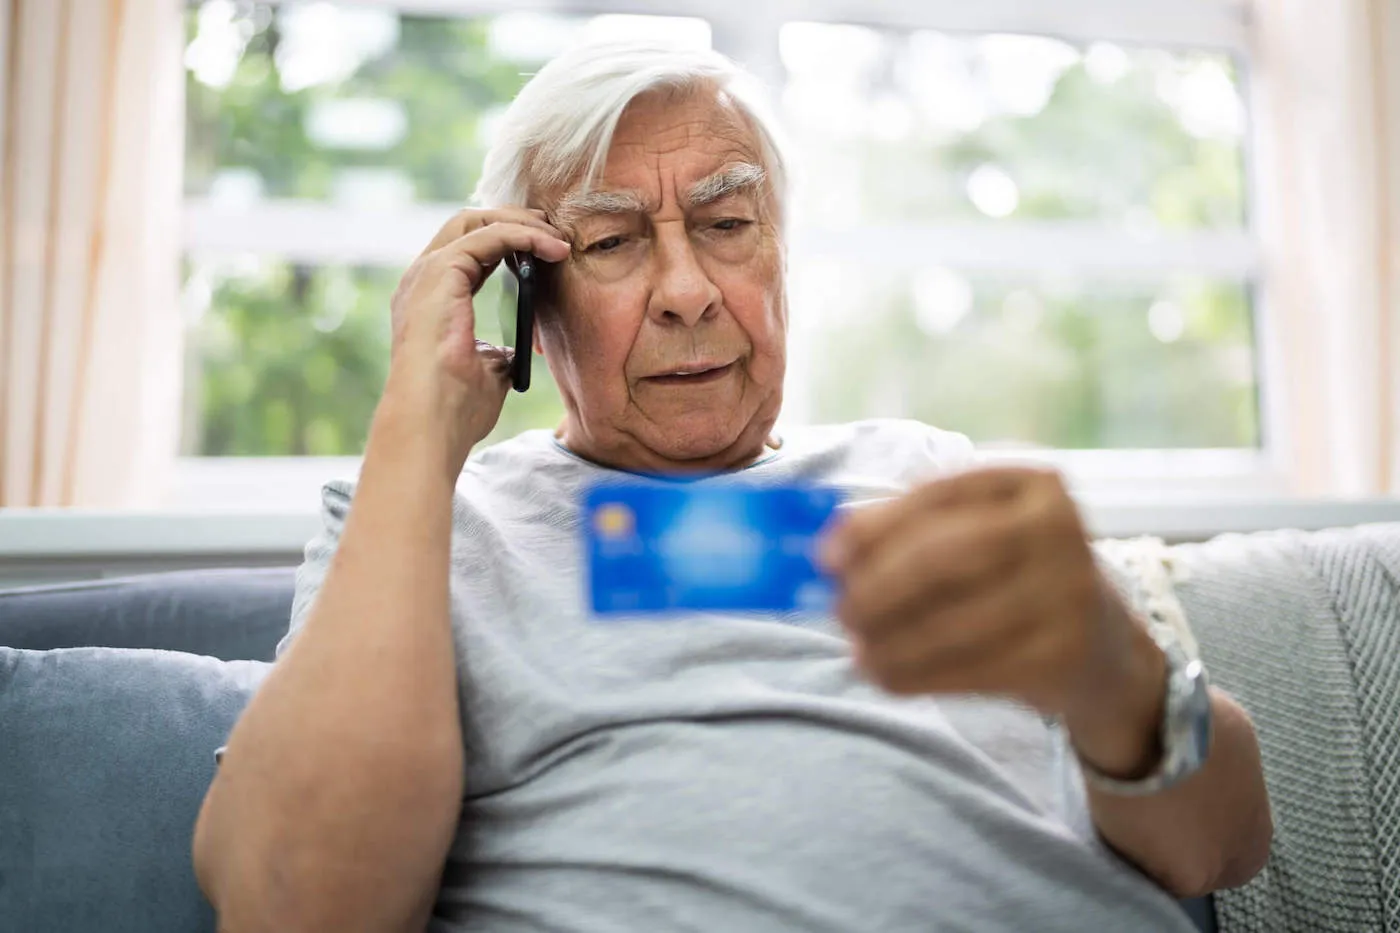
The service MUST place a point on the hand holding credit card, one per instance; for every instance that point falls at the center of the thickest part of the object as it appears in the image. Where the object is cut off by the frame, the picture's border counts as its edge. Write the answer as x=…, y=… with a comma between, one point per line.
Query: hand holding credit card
x=654, y=547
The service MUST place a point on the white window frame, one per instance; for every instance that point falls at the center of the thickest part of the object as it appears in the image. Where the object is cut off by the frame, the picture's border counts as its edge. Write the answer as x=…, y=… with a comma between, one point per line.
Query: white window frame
x=748, y=31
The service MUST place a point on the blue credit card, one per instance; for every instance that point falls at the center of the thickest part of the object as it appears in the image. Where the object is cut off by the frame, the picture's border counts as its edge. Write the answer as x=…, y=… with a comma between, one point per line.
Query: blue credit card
x=658, y=548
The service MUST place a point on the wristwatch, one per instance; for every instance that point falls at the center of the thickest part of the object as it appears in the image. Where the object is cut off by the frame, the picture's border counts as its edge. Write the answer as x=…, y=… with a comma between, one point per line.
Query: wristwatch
x=1184, y=732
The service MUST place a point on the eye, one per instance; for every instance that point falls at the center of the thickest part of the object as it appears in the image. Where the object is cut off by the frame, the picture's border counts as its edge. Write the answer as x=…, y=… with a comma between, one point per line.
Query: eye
x=606, y=245
x=729, y=224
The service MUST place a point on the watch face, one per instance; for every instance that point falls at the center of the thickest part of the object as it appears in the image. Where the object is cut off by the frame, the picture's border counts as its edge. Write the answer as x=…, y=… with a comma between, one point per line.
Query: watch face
x=1194, y=715
x=1186, y=720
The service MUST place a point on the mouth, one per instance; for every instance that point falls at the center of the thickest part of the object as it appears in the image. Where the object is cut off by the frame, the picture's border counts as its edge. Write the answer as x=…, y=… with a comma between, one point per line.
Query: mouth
x=695, y=374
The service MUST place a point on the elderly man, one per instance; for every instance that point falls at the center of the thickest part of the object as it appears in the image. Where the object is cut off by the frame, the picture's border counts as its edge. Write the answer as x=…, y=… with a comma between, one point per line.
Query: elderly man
x=982, y=737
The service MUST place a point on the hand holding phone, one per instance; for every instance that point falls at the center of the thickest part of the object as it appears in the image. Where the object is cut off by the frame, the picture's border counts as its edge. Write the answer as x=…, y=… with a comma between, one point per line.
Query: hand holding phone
x=438, y=368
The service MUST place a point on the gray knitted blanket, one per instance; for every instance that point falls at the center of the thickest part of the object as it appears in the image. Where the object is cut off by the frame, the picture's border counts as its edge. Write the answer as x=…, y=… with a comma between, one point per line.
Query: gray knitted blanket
x=1304, y=630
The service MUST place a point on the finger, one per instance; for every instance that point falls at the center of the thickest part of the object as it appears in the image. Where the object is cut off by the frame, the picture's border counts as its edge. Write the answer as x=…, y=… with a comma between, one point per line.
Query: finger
x=929, y=563
x=465, y=221
x=958, y=648
x=866, y=527
x=494, y=354
x=494, y=361
x=476, y=253
x=863, y=528
x=498, y=360
x=1016, y=671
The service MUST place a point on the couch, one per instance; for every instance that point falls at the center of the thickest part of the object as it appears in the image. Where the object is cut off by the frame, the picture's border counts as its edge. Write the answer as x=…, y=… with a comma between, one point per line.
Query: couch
x=114, y=693
x=113, y=696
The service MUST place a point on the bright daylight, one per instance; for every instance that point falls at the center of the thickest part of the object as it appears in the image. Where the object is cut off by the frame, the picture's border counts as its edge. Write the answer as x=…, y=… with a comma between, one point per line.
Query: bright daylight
x=699, y=465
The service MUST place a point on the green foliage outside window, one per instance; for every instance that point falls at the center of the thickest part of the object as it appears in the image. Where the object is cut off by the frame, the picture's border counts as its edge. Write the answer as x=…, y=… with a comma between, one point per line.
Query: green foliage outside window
x=287, y=359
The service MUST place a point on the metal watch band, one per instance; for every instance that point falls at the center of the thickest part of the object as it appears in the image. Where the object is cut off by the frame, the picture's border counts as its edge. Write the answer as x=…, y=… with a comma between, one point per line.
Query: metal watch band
x=1185, y=729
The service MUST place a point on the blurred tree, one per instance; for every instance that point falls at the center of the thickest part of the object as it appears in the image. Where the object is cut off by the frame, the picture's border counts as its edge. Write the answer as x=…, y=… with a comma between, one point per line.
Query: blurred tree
x=290, y=359
x=1086, y=373
x=1030, y=360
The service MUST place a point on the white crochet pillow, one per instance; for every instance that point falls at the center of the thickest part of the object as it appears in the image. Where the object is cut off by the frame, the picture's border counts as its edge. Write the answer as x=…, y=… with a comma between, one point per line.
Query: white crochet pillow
x=1144, y=571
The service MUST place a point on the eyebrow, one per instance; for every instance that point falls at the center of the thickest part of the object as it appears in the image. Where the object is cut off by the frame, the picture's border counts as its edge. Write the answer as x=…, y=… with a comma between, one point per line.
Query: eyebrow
x=743, y=176
x=577, y=205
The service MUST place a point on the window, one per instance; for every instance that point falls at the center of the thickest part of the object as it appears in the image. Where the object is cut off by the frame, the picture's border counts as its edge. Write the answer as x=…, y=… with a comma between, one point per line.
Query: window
x=1013, y=175
x=1033, y=227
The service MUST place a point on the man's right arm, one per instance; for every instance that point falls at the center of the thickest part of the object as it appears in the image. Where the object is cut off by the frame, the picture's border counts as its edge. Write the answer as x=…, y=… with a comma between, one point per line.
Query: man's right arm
x=341, y=788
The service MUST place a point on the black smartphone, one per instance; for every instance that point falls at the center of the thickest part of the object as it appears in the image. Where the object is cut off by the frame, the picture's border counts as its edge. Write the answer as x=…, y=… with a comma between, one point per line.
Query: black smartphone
x=518, y=330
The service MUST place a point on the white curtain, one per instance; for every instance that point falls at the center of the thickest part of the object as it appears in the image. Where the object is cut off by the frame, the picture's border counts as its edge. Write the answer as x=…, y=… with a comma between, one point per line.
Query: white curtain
x=1328, y=79
x=91, y=105
x=1389, y=76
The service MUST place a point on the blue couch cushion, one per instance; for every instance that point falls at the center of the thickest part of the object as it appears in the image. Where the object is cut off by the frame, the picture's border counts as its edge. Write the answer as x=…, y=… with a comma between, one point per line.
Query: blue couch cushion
x=107, y=754
x=231, y=613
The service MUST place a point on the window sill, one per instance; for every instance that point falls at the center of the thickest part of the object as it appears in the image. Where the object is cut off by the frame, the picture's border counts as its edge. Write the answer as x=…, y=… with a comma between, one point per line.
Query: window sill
x=38, y=545
x=260, y=511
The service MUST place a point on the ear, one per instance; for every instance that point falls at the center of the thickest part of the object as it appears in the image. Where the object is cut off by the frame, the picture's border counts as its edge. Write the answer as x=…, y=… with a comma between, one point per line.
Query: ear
x=535, y=343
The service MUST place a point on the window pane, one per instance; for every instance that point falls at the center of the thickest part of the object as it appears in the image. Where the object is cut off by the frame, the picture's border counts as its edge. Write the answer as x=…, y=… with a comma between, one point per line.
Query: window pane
x=923, y=125
x=290, y=360
x=362, y=105
x=1018, y=362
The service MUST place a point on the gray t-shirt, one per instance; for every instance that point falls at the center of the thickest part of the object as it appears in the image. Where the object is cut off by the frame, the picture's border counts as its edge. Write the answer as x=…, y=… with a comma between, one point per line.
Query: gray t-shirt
x=731, y=773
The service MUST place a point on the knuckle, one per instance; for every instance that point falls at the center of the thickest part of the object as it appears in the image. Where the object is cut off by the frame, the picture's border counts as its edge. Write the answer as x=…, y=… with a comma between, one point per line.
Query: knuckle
x=1047, y=487
x=1049, y=507
x=436, y=261
x=462, y=223
x=1037, y=483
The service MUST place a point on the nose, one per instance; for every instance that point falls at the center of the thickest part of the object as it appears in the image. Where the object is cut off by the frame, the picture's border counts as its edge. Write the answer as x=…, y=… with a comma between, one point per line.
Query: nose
x=683, y=293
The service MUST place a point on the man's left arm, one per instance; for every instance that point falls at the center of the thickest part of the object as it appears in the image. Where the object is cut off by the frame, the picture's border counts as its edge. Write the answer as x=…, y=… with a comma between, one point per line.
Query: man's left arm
x=1210, y=831
x=984, y=583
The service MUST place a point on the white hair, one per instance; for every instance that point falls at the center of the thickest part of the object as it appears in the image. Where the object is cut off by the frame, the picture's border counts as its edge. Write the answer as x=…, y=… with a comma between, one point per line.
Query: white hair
x=560, y=126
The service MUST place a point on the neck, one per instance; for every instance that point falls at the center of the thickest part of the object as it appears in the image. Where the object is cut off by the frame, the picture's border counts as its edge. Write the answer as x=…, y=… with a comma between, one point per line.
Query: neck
x=630, y=454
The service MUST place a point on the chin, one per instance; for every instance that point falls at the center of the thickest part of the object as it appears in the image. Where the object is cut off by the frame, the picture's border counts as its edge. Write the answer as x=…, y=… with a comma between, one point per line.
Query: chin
x=695, y=438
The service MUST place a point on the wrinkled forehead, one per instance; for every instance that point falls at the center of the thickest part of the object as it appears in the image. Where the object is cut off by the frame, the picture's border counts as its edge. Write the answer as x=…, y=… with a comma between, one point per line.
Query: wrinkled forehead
x=698, y=141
